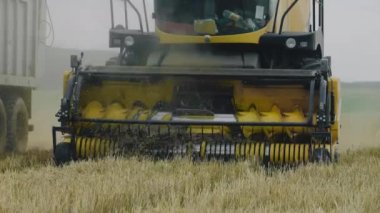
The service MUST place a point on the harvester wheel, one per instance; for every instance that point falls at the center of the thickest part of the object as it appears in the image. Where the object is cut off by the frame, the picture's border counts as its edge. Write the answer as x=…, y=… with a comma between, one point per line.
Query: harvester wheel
x=18, y=117
x=336, y=156
x=3, y=127
x=321, y=155
x=63, y=154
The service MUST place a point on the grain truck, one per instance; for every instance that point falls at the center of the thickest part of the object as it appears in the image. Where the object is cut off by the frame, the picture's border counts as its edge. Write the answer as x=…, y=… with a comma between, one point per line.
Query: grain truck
x=21, y=35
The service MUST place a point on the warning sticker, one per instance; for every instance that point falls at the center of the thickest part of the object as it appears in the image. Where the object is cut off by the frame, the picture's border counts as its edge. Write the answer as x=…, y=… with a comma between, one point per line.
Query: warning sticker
x=259, y=12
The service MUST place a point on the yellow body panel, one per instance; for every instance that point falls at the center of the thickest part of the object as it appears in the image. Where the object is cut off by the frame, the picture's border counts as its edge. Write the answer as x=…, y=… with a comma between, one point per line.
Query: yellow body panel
x=116, y=111
x=285, y=97
x=335, y=129
x=128, y=93
x=252, y=115
x=298, y=19
x=274, y=115
x=67, y=74
x=94, y=110
x=253, y=37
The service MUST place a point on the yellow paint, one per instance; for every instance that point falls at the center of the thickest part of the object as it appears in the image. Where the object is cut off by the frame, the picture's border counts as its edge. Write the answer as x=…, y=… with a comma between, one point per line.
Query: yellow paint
x=334, y=83
x=253, y=37
x=278, y=152
x=297, y=116
x=67, y=74
x=249, y=116
x=93, y=110
x=264, y=97
x=203, y=147
x=272, y=116
x=128, y=93
x=116, y=111
x=298, y=18
x=94, y=147
x=167, y=117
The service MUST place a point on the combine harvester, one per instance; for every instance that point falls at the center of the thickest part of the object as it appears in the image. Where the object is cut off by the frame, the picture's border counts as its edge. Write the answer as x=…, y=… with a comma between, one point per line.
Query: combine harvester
x=218, y=79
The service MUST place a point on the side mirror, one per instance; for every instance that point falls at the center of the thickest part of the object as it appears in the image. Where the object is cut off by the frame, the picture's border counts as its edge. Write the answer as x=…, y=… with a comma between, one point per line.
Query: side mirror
x=74, y=62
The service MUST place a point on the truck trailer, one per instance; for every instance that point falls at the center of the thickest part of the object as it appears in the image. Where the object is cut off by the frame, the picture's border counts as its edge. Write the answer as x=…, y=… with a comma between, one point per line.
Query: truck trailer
x=22, y=24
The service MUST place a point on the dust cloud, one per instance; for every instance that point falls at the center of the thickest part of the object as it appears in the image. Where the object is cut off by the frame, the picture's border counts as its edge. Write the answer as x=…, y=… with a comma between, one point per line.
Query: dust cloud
x=46, y=98
x=45, y=105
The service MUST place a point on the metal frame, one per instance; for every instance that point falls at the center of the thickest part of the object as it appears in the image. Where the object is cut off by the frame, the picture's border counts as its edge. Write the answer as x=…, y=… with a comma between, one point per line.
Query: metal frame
x=117, y=73
x=285, y=14
x=135, y=72
x=321, y=15
x=241, y=73
x=318, y=132
x=126, y=2
x=165, y=144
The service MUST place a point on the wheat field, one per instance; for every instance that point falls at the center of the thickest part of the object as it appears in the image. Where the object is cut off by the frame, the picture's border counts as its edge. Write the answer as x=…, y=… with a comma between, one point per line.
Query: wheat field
x=31, y=183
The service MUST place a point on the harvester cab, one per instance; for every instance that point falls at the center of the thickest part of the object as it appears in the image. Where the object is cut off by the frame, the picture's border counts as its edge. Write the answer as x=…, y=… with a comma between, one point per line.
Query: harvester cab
x=215, y=79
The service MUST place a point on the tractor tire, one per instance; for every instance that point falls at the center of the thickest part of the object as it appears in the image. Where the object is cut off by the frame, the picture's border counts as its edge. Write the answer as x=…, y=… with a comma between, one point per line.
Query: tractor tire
x=3, y=127
x=63, y=154
x=18, y=117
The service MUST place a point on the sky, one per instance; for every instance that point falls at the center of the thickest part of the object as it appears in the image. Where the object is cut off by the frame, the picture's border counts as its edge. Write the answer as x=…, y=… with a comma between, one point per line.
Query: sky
x=352, y=34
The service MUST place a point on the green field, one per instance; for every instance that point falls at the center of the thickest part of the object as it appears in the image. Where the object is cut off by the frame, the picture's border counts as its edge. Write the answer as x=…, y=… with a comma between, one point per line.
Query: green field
x=360, y=115
x=361, y=98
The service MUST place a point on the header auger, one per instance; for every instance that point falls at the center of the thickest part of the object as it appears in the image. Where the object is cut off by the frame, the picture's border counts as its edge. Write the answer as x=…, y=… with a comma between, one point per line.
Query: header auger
x=216, y=80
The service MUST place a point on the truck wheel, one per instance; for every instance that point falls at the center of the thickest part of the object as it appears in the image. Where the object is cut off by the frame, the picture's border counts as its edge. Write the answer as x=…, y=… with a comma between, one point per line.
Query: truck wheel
x=17, y=125
x=63, y=154
x=3, y=127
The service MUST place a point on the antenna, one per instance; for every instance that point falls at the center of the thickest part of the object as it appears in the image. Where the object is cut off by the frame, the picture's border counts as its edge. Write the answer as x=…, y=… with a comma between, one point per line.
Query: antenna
x=126, y=14
x=112, y=18
x=146, y=16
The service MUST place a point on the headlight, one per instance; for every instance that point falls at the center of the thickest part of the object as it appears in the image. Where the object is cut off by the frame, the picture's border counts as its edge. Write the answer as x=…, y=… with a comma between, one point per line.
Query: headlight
x=129, y=41
x=291, y=43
